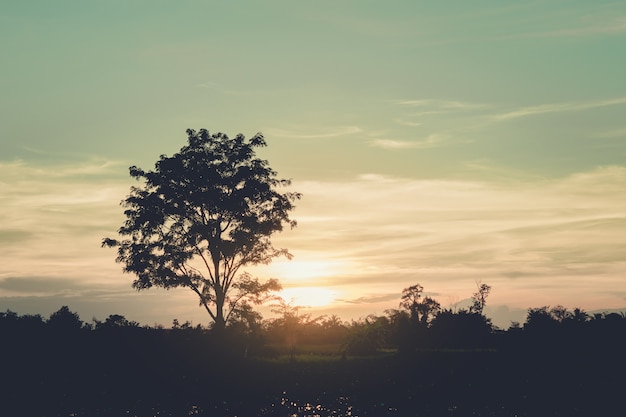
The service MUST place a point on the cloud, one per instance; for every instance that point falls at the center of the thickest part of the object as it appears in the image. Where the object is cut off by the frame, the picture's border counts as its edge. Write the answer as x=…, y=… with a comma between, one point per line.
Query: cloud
x=439, y=118
x=536, y=241
x=446, y=234
x=430, y=142
x=617, y=133
x=50, y=286
x=55, y=217
x=558, y=108
x=32, y=285
x=22, y=172
x=408, y=123
x=614, y=26
x=373, y=299
x=441, y=104
x=10, y=237
x=329, y=133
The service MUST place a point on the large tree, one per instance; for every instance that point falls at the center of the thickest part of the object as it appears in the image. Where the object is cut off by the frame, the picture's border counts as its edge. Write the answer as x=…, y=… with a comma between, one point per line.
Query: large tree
x=200, y=216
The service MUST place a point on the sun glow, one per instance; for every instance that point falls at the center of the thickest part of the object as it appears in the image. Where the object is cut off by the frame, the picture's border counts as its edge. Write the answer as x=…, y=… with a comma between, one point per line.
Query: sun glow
x=308, y=296
x=288, y=270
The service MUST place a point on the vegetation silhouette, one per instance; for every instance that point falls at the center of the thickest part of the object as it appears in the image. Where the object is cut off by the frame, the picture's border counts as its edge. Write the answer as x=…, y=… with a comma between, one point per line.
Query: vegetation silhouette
x=201, y=216
x=196, y=221
x=559, y=362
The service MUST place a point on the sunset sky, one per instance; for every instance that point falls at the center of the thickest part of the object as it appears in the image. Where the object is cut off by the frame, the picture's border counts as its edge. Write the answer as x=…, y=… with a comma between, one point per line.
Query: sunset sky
x=440, y=143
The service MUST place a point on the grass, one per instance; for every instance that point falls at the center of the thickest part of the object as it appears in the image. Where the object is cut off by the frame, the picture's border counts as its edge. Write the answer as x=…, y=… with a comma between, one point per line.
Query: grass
x=311, y=353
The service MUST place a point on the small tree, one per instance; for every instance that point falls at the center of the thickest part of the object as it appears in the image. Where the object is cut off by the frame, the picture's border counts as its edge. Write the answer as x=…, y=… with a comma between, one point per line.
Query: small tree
x=479, y=298
x=290, y=324
x=200, y=216
x=411, y=299
x=422, y=309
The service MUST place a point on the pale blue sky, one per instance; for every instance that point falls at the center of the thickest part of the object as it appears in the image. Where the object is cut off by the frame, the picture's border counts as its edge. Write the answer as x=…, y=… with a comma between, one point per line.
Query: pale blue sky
x=434, y=142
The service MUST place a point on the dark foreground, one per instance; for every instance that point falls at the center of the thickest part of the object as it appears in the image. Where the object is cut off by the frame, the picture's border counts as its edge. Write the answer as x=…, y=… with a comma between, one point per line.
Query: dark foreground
x=137, y=377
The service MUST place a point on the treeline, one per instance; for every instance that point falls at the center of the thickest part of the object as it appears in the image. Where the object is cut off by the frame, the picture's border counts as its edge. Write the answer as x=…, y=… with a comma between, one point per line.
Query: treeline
x=425, y=361
x=419, y=324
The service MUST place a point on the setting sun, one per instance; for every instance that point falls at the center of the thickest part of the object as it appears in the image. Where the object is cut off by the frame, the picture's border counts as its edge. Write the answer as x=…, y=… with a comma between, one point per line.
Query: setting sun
x=308, y=296
x=304, y=269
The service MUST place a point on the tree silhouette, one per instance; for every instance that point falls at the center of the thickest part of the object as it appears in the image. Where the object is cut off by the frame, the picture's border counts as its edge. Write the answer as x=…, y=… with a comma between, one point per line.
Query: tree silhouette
x=115, y=321
x=288, y=324
x=460, y=329
x=200, y=216
x=366, y=336
x=421, y=309
x=65, y=320
x=479, y=298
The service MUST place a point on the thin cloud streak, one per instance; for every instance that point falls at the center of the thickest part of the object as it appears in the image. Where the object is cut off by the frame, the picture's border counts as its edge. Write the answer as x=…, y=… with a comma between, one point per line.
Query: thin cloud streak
x=440, y=104
x=613, y=27
x=408, y=123
x=617, y=133
x=326, y=134
x=430, y=142
x=558, y=108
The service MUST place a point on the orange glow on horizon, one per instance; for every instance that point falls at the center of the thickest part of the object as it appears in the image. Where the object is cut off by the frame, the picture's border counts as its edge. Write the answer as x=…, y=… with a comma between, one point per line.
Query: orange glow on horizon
x=301, y=270
x=308, y=296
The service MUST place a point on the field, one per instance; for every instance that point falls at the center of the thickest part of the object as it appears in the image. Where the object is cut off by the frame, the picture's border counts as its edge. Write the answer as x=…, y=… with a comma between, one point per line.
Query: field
x=141, y=379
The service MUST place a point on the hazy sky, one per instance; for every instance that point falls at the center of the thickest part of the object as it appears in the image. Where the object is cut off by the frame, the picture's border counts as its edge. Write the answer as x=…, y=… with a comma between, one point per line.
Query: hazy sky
x=434, y=142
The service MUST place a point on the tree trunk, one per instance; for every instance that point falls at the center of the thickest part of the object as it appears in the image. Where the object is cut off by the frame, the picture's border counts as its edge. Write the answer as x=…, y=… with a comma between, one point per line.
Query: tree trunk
x=220, y=296
x=220, y=322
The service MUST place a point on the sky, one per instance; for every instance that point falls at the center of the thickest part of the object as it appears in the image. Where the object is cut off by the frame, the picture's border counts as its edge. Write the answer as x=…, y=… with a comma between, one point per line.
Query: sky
x=441, y=143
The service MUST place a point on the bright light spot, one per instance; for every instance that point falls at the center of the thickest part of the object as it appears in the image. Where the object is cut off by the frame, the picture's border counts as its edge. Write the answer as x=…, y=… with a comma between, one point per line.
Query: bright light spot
x=286, y=270
x=308, y=296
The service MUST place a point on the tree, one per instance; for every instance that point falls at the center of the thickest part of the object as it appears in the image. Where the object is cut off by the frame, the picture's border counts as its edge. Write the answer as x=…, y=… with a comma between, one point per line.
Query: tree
x=411, y=298
x=290, y=324
x=428, y=309
x=460, y=329
x=65, y=320
x=200, y=216
x=115, y=321
x=479, y=298
x=540, y=321
x=366, y=337
x=422, y=310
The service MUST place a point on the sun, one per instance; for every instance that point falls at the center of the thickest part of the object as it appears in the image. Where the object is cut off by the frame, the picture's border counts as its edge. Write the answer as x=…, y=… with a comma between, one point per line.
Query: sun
x=302, y=270
x=308, y=296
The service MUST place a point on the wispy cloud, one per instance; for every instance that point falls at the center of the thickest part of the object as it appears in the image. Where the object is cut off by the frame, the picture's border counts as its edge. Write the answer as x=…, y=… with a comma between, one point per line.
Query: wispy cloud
x=608, y=27
x=373, y=298
x=430, y=142
x=617, y=133
x=408, y=123
x=329, y=133
x=558, y=108
x=447, y=234
x=440, y=104
x=366, y=238
x=439, y=121
x=58, y=214
x=20, y=169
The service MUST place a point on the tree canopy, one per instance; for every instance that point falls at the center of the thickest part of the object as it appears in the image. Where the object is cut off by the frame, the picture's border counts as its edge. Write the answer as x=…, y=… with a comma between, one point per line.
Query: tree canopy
x=200, y=216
